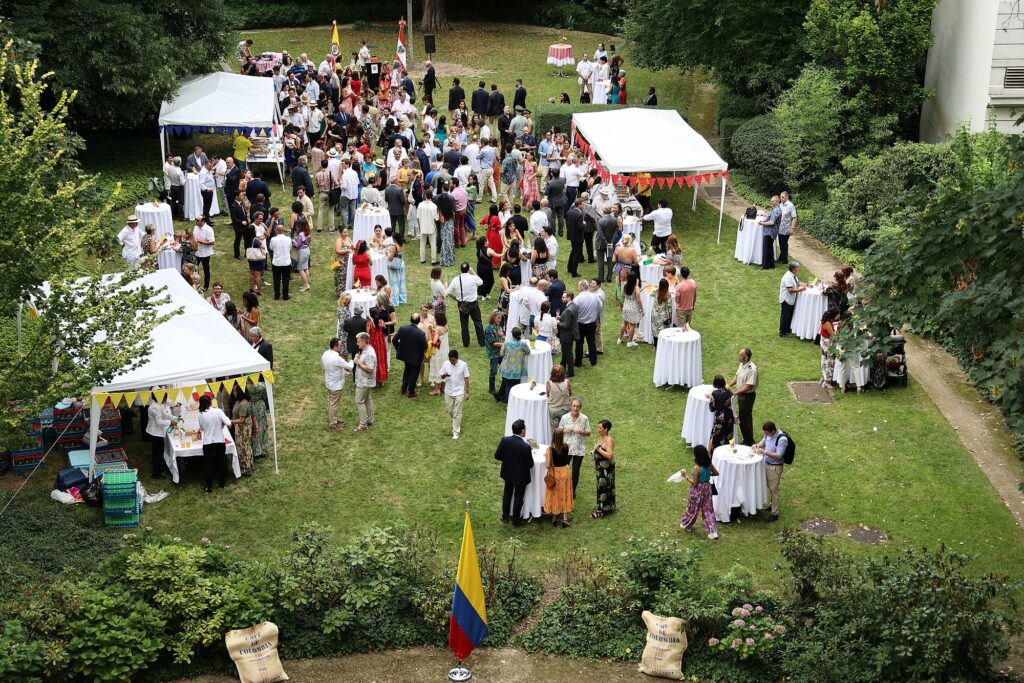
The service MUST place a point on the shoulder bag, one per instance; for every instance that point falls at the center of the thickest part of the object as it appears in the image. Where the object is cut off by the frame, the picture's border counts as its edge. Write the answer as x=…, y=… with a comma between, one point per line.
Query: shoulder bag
x=255, y=253
x=464, y=307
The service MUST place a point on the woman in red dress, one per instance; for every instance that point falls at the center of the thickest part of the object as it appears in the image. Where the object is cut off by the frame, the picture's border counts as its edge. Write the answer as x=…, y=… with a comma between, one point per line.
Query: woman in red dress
x=379, y=325
x=362, y=276
x=493, y=225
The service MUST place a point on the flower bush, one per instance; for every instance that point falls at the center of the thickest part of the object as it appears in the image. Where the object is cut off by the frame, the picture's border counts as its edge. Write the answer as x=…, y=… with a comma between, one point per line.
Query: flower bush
x=751, y=633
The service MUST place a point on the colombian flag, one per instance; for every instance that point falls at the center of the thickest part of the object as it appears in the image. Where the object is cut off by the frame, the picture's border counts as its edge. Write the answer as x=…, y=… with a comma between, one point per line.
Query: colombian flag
x=335, y=42
x=468, y=625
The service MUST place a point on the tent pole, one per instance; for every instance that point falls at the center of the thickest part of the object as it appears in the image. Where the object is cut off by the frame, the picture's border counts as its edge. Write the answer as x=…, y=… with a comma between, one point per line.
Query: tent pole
x=721, y=210
x=163, y=147
x=94, y=432
x=694, y=207
x=273, y=423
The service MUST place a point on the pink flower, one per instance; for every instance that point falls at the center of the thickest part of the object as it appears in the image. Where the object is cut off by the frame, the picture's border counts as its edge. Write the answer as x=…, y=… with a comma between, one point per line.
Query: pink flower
x=745, y=612
x=753, y=628
x=739, y=623
x=750, y=641
x=759, y=609
x=747, y=606
x=768, y=636
x=715, y=641
x=206, y=540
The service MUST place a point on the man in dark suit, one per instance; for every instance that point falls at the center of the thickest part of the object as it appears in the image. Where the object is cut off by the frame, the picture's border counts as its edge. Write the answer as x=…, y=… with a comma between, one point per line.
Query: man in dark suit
x=557, y=199
x=408, y=86
x=479, y=101
x=516, y=459
x=574, y=227
x=410, y=344
x=555, y=290
x=455, y=95
x=232, y=178
x=301, y=178
x=353, y=326
x=262, y=346
x=239, y=221
x=568, y=332
x=495, y=104
x=257, y=186
x=196, y=161
x=519, y=98
x=429, y=82
x=606, y=228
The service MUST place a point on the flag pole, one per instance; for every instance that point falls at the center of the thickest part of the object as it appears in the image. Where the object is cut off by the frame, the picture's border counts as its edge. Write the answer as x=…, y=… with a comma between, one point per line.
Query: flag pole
x=460, y=673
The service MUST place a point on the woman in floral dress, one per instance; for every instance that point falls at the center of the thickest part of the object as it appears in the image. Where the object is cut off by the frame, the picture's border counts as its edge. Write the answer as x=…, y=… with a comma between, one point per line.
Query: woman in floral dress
x=447, y=254
x=724, y=424
x=825, y=333
x=344, y=313
x=241, y=417
x=604, y=466
x=261, y=415
x=661, y=312
x=342, y=250
x=530, y=191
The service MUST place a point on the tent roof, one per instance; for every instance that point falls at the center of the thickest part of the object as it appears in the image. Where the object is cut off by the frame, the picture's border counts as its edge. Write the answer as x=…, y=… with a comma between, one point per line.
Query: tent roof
x=221, y=99
x=196, y=344
x=641, y=139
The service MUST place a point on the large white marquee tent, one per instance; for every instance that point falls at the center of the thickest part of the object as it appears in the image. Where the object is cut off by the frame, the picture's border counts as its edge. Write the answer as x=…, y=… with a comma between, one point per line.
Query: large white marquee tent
x=635, y=139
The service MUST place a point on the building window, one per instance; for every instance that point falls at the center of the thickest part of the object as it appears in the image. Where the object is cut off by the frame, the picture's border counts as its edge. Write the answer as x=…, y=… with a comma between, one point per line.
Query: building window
x=1013, y=77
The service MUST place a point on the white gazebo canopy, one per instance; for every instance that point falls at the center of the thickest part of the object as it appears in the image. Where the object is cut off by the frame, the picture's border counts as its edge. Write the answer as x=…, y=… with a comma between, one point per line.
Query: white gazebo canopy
x=224, y=102
x=192, y=347
x=635, y=139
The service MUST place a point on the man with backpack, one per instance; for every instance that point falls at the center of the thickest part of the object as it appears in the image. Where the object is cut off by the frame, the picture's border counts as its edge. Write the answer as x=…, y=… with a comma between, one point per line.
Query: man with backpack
x=778, y=450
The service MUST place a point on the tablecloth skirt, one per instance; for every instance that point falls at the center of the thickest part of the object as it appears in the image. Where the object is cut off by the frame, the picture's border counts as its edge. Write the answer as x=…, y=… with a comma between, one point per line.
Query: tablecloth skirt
x=698, y=418
x=561, y=55
x=364, y=223
x=529, y=405
x=539, y=363
x=378, y=266
x=161, y=217
x=632, y=226
x=853, y=371
x=194, y=199
x=748, y=241
x=651, y=274
x=678, y=359
x=515, y=303
x=171, y=455
x=810, y=306
x=740, y=484
x=361, y=297
x=533, y=500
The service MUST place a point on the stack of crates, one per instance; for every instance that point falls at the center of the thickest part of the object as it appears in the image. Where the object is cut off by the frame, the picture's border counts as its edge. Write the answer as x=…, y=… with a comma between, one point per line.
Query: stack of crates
x=122, y=504
x=72, y=426
x=27, y=457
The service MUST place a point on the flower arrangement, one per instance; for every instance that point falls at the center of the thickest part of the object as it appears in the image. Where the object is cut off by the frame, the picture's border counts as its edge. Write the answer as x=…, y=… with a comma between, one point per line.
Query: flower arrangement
x=752, y=632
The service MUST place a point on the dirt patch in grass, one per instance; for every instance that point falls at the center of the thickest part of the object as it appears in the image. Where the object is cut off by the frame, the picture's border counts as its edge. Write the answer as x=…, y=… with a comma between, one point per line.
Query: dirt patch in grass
x=449, y=69
x=865, y=534
x=820, y=527
x=810, y=392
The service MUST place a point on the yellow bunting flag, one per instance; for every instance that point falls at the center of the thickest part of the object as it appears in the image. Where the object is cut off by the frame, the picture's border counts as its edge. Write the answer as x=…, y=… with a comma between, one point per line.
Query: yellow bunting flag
x=129, y=398
x=160, y=395
x=101, y=399
x=215, y=387
x=115, y=399
x=254, y=378
x=144, y=397
x=229, y=384
x=269, y=376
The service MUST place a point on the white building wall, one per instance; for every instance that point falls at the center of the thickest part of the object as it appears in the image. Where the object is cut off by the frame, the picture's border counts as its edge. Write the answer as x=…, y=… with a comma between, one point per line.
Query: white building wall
x=1008, y=51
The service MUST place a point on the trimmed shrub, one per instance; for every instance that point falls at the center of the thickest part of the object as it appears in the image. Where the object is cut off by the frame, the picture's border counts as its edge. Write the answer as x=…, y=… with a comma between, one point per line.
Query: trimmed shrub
x=755, y=149
x=810, y=120
x=726, y=129
x=729, y=105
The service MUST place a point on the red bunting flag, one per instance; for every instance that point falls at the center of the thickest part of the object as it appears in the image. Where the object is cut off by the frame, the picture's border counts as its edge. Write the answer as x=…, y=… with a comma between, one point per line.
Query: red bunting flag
x=632, y=180
x=661, y=182
x=715, y=175
x=707, y=177
x=689, y=181
x=697, y=179
x=725, y=174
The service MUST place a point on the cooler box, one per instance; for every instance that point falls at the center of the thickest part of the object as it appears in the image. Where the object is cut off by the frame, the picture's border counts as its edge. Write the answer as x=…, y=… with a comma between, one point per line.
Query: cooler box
x=72, y=476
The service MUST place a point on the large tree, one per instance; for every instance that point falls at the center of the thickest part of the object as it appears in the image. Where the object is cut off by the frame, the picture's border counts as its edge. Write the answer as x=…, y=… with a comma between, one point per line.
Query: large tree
x=85, y=328
x=754, y=46
x=123, y=58
x=435, y=16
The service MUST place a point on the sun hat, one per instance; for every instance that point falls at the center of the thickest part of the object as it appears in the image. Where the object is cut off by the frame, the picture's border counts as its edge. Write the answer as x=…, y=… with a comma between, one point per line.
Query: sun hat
x=133, y=218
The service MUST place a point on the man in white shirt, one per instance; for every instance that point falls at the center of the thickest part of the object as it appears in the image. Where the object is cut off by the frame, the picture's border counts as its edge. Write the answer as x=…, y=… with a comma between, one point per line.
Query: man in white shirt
x=174, y=184
x=403, y=105
x=464, y=171
x=543, y=150
x=529, y=307
x=366, y=379
x=349, y=193
x=571, y=172
x=472, y=153
x=395, y=156
x=585, y=70
x=662, y=217
x=552, y=244
x=207, y=186
x=130, y=238
x=203, y=234
x=455, y=374
x=789, y=287
x=364, y=54
x=335, y=368
x=334, y=165
x=538, y=219
x=464, y=290
x=426, y=219
x=281, y=263
x=589, y=307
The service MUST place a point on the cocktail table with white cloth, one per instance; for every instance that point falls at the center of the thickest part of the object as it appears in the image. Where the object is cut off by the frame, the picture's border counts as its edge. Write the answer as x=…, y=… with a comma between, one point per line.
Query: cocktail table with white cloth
x=361, y=297
x=378, y=266
x=741, y=481
x=531, y=405
x=525, y=272
x=194, y=199
x=853, y=370
x=810, y=306
x=647, y=297
x=173, y=451
x=366, y=219
x=651, y=273
x=748, y=241
x=539, y=363
x=678, y=360
x=631, y=225
x=698, y=418
x=536, y=490
x=160, y=216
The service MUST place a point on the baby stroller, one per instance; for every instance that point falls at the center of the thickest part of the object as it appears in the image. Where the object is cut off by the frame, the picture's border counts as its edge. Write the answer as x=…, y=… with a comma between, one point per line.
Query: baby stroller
x=896, y=359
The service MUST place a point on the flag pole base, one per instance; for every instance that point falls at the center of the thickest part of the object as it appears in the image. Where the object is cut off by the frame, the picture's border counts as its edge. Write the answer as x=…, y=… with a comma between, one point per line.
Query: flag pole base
x=460, y=673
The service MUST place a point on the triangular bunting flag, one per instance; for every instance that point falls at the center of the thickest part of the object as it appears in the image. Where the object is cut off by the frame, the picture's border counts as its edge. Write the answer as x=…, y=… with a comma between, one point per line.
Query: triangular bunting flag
x=101, y=399
x=725, y=174
x=115, y=399
x=689, y=180
x=661, y=182
x=715, y=175
x=144, y=397
x=160, y=395
x=254, y=378
x=229, y=385
x=215, y=387
x=269, y=376
x=696, y=179
x=707, y=177
x=129, y=398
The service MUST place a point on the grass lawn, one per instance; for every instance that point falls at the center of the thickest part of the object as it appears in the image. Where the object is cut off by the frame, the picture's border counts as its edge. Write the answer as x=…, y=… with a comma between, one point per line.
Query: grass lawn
x=885, y=459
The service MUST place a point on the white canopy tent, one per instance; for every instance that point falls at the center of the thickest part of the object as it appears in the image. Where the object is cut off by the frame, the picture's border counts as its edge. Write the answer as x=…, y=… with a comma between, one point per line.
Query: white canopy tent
x=635, y=139
x=224, y=102
x=188, y=349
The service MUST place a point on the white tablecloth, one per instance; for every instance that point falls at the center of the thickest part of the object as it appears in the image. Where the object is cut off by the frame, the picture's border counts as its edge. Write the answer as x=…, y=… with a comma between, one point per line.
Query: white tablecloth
x=378, y=266
x=161, y=217
x=810, y=306
x=173, y=451
x=601, y=87
x=525, y=272
x=533, y=500
x=515, y=302
x=748, y=241
x=652, y=273
x=698, y=418
x=194, y=200
x=853, y=370
x=678, y=360
x=741, y=481
x=647, y=298
x=527, y=404
x=366, y=220
x=362, y=297
x=561, y=54
x=631, y=225
x=539, y=363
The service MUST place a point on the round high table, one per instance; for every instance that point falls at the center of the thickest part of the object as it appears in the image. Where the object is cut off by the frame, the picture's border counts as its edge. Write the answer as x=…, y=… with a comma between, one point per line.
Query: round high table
x=160, y=216
x=748, y=241
x=515, y=302
x=366, y=220
x=538, y=363
x=362, y=297
x=651, y=273
x=561, y=54
x=631, y=225
x=533, y=499
x=194, y=200
x=698, y=418
x=525, y=273
x=678, y=360
x=647, y=298
x=853, y=370
x=378, y=266
x=741, y=481
x=267, y=61
x=810, y=305
x=530, y=405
